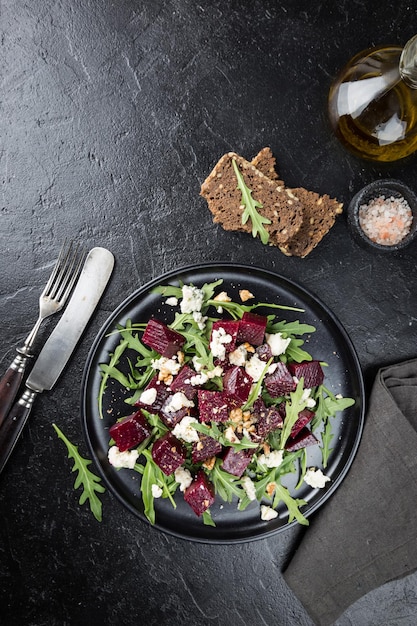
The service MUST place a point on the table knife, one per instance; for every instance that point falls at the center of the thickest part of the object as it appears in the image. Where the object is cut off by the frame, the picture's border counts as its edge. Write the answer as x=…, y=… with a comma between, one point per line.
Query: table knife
x=60, y=345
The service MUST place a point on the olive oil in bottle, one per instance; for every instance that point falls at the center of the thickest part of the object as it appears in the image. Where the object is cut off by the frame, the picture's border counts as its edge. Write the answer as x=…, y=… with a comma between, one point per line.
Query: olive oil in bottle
x=373, y=103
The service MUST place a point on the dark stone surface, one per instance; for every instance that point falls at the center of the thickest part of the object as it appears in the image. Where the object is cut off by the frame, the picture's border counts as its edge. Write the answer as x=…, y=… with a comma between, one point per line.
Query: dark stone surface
x=112, y=114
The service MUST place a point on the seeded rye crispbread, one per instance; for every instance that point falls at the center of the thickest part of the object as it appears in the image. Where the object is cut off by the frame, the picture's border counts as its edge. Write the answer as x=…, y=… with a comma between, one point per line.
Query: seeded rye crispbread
x=300, y=218
x=224, y=199
x=319, y=212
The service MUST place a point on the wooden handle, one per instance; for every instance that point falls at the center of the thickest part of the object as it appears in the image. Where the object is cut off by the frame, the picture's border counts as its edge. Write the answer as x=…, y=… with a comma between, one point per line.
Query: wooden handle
x=10, y=384
x=13, y=425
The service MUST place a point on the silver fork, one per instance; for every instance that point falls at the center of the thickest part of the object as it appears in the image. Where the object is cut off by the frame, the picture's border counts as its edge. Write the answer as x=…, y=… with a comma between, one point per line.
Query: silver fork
x=52, y=300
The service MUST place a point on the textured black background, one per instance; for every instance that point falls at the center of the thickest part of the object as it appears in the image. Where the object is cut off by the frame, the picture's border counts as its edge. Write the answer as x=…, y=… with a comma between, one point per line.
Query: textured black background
x=112, y=114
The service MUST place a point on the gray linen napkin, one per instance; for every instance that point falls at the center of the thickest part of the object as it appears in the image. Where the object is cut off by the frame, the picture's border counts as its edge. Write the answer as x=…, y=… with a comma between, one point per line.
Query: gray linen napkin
x=366, y=534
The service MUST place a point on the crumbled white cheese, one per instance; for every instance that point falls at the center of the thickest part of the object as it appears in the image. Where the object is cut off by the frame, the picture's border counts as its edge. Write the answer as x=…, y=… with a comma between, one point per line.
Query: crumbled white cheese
x=238, y=356
x=197, y=379
x=172, y=301
x=315, y=478
x=203, y=376
x=168, y=365
x=148, y=396
x=192, y=299
x=273, y=459
x=249, y=487
x=200, y=319
x=185, y=431
x=125, y=459
x=230, y=435
x=255, y=366
x=156, y=491
x=198, y=366
x=219, y=338
x=268, y=513
x=277, y=343
x=177, y=402
x=306, y=397
x=183, y=478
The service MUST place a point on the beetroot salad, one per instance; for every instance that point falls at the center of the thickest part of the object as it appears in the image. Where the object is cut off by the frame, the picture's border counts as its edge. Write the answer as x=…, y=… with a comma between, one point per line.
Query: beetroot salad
x=223, y=404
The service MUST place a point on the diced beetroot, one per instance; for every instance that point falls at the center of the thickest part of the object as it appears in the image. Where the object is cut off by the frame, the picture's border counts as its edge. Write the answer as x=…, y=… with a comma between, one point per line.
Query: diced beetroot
x=304, y=438
x=304, y=418
x=206, y=448
x=130, y=431
x=164, y=340
x=280, y=382
x=252, y=328
x=264, y=352
x=200, y=494
x=162, y=393
x=259, y=405
x=310, y=371
x=180, y=382
x=171, y=418
x=269, y=419
x=231, y=327
x=213, y=406
x=168, y=453
x=237, y=383
x=236, y=461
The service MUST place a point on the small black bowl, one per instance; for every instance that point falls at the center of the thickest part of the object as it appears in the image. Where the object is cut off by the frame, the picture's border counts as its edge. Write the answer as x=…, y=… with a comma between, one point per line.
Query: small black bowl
x=388, y=188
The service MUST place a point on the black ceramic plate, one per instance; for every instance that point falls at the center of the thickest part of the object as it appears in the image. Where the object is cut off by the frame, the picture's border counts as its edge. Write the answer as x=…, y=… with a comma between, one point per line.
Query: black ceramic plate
x=329, y=343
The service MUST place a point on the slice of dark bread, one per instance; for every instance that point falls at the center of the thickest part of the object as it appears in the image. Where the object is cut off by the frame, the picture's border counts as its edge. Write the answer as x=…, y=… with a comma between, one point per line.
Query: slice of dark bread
x=319, y=212
x=224, y=200
x=265, y=162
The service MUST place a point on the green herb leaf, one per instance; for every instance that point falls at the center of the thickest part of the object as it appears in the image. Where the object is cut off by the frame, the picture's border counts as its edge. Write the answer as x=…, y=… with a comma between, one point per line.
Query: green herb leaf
x=226, y=484
x=251, y=208
x=153, y=475
x=295, y=352
x=257, y=387
x=293, y=407
x=207, y=519
x=109, y=371
x=327, y=437
x=293, y=504
x=291, y=328
x=91, y=482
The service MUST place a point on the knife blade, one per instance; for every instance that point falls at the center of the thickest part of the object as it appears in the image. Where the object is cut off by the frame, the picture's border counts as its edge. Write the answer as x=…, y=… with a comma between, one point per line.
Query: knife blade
x=60, y=345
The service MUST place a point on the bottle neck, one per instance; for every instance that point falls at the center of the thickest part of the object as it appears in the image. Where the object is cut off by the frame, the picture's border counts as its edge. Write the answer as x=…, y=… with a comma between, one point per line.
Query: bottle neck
x=408, y=63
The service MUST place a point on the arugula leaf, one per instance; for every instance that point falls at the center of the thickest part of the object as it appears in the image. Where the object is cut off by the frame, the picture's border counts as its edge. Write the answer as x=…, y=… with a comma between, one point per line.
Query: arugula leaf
x=108, y=371
x=153, y=475
x=293, y=504
x=251, y=208
x=207, y=519
x=327, y=405
x=327, y=437
x=293, y=407
x=303, y=467
x=91, y=482
x=208, y=289
x=168, y=291
x=291, y=328
x=226, y=484
x=215, y=432
x=257, y=387
x=295, y=352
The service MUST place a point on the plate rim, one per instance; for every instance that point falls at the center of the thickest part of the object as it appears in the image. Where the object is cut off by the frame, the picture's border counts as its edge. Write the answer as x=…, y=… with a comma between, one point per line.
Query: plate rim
x=218, y=266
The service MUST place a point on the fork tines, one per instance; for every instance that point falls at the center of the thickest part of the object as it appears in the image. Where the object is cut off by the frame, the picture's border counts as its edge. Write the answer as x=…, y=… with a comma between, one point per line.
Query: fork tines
x=65, y=272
